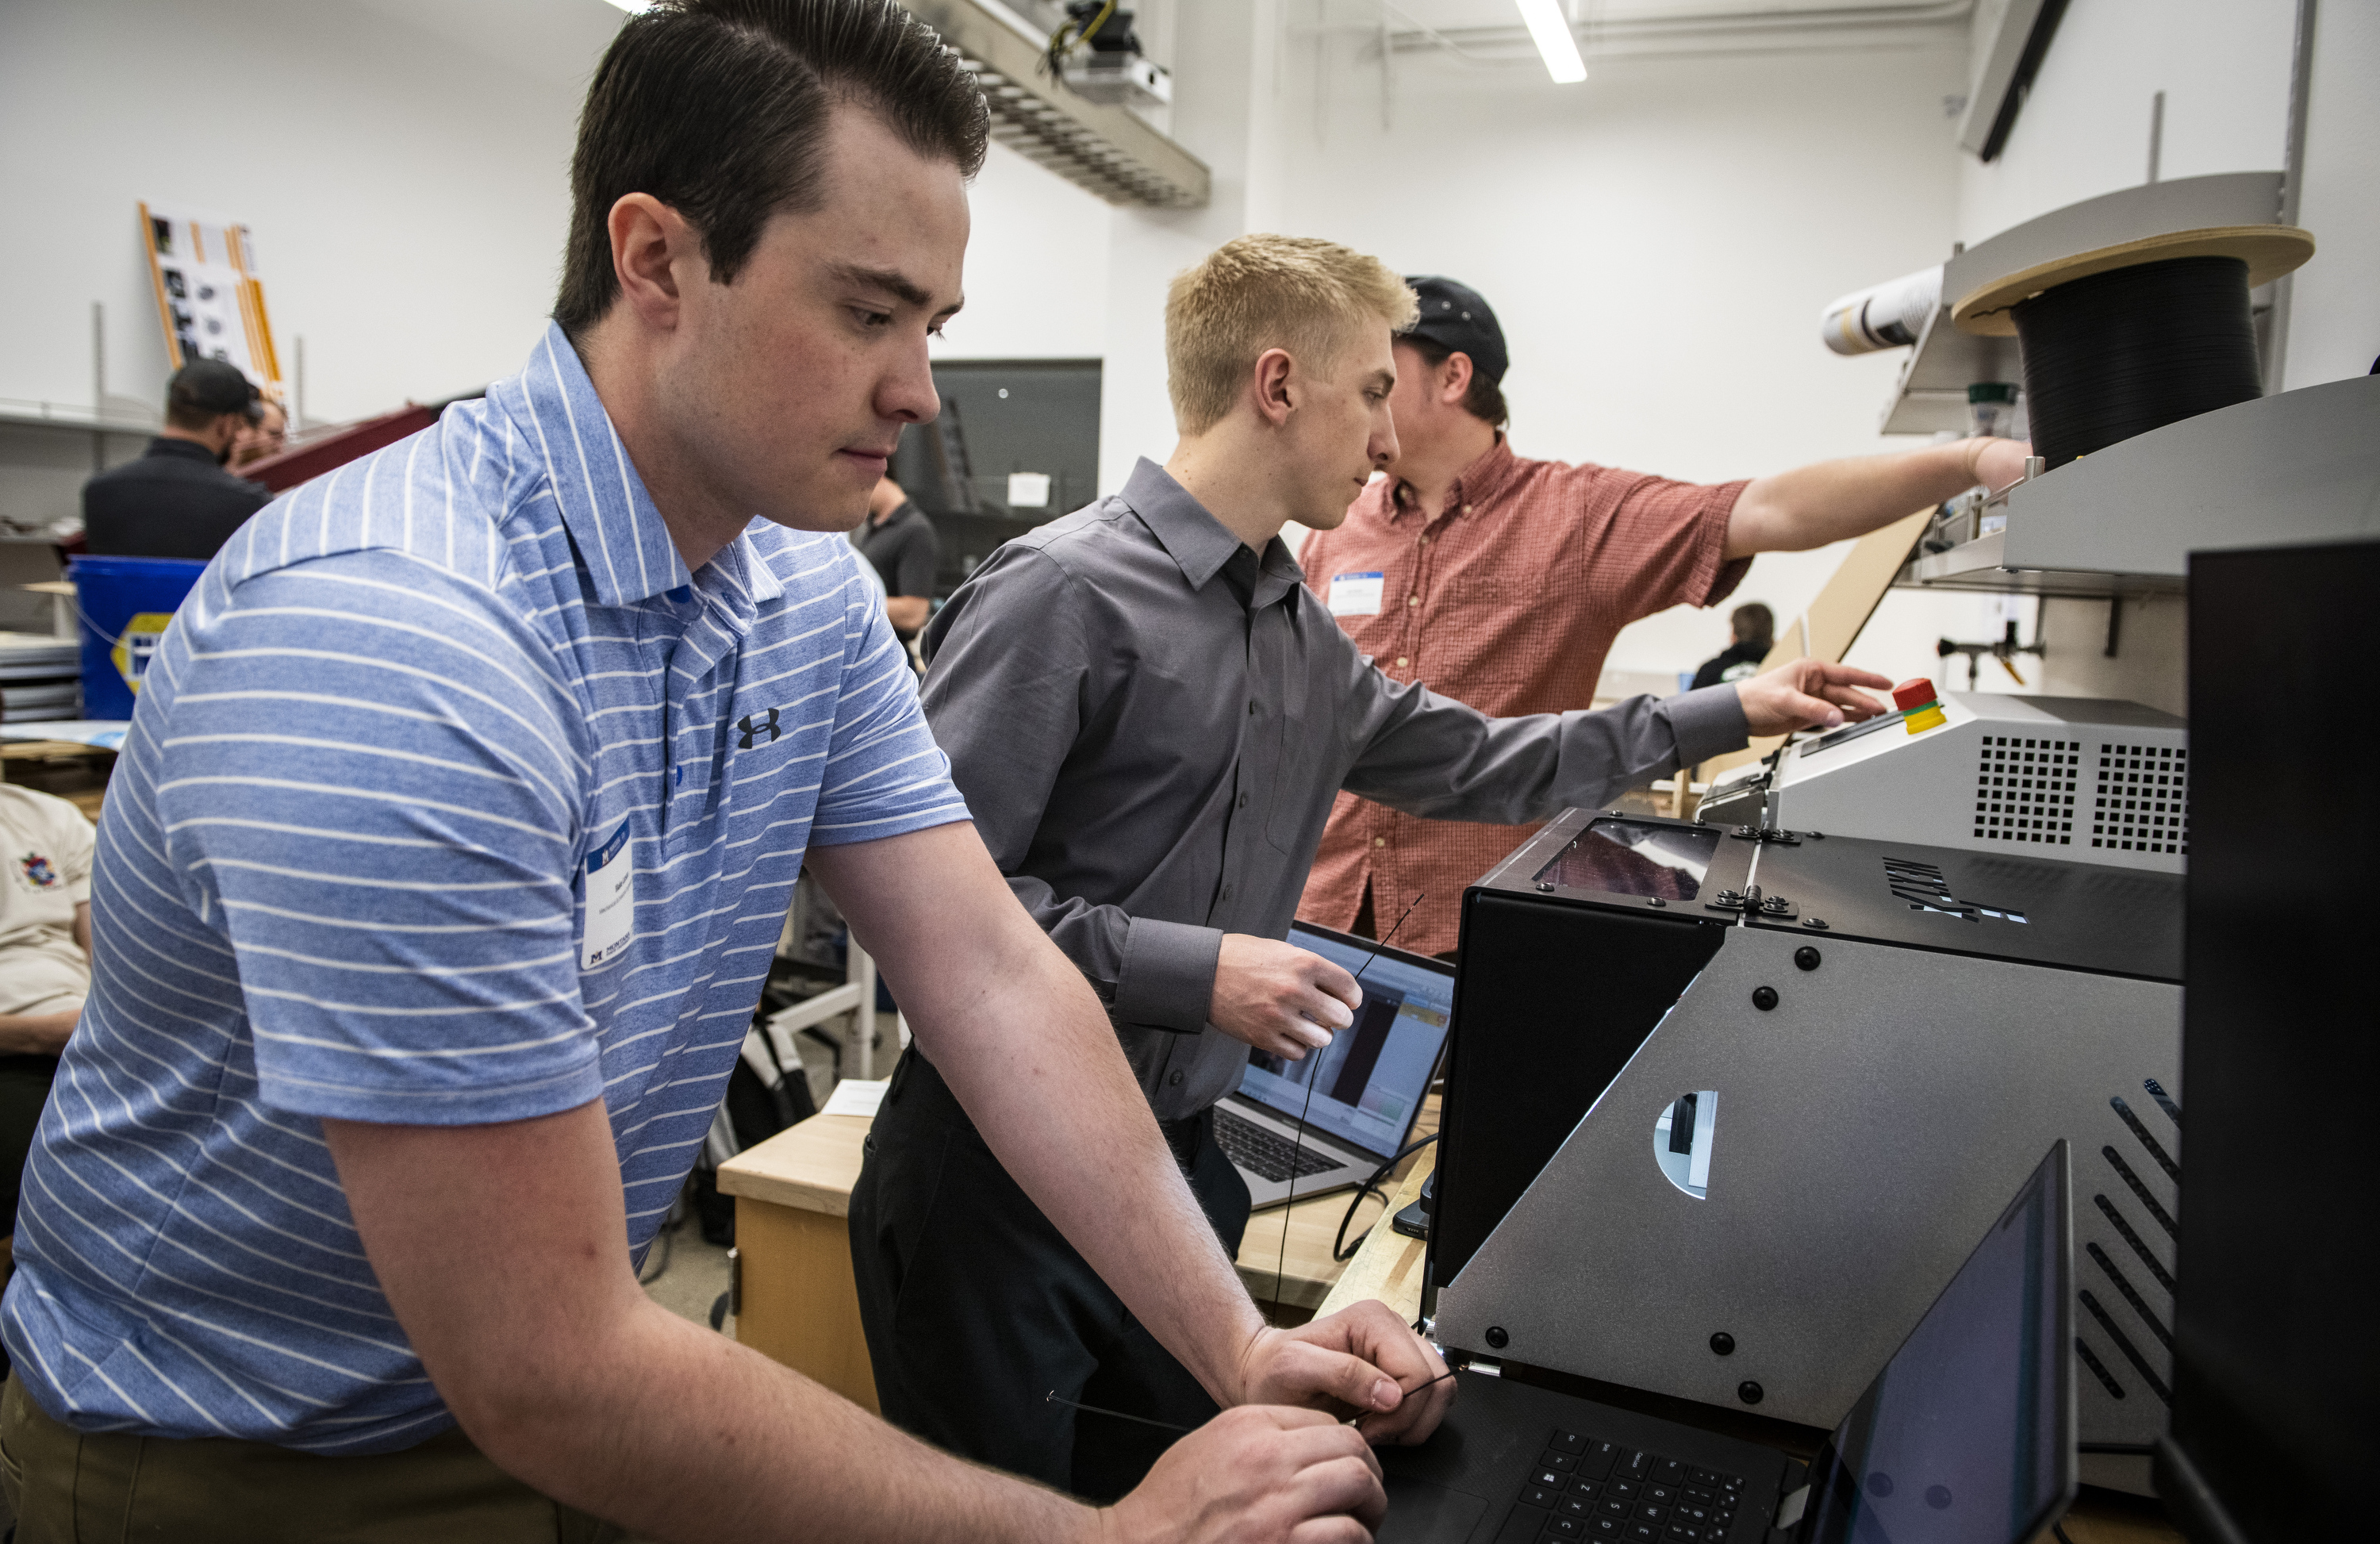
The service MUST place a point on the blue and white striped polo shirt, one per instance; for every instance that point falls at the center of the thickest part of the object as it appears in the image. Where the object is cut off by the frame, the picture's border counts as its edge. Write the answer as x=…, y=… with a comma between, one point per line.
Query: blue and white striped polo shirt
x=345, y=871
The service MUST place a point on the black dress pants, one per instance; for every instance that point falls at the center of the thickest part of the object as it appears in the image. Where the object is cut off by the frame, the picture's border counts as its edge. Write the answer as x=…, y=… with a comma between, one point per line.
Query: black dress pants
x=977, y=1308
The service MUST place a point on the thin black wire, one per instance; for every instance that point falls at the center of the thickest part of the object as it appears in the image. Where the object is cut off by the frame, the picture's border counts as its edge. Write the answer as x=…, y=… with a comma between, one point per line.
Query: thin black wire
x=2059, y=1529
x=1340, y=1251
x=1281, y=1261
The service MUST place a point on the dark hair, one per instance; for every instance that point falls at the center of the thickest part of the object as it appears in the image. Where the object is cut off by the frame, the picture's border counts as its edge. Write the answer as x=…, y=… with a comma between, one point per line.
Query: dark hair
x=1484, y=401
x=1753, y=623
x=719, y=108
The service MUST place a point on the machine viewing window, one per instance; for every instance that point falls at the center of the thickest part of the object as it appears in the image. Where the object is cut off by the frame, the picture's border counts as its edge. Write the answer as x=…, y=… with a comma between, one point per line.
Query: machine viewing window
x=1634, y=858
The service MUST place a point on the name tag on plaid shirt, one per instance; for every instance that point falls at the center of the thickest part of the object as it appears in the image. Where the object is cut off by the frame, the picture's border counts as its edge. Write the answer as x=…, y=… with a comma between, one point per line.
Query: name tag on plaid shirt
x=1354, y=595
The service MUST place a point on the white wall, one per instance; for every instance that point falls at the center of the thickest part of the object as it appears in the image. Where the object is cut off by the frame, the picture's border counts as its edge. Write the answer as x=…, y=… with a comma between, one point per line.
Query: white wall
x=2223, y=65
x=1037, y=268
x=408, y=193
x=2335, y=316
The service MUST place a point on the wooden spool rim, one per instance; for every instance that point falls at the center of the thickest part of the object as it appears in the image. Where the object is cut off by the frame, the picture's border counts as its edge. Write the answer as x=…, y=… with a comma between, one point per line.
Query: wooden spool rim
x=2268, y=250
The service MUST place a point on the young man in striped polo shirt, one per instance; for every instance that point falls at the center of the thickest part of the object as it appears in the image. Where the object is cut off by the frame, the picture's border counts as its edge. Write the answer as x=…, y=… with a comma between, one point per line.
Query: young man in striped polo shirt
x=442, y=867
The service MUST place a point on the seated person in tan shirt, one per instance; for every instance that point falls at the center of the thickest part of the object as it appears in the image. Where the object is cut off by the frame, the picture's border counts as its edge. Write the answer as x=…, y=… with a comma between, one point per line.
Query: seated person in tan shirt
x=44, y=962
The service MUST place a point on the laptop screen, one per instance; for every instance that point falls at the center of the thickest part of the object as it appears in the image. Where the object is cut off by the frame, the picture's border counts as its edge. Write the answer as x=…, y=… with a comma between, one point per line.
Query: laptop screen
x=1369, y=1081
x=1967, y=1436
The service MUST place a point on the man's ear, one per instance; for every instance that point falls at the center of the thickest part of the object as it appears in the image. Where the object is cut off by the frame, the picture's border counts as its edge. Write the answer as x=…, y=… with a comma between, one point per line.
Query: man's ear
x=653, y=250
x=1269, y=383
x=1454, y=379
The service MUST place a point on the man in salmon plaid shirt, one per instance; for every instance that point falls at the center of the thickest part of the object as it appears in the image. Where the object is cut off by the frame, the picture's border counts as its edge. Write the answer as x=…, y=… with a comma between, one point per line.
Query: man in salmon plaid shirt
x=1501, y=582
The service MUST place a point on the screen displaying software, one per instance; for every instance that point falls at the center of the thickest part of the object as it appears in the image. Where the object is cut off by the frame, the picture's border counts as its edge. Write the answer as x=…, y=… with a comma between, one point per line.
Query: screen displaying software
x=1367, y=1083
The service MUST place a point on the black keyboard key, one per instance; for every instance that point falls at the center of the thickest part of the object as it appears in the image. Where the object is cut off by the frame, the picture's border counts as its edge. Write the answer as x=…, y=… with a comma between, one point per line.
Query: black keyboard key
x=1650, y=1533
x=1692, y=1512
x=1662, y=1493
x=1603, y=1527
x=1551, y=1479
x=1683, y=1533
x=1609, y=1507
x=1562, y=1460
x=1698, y=1494
x=1599, y=1458
x=1537, y=1495
x=1589, y=1488
x=1625, y=1488
x=1669, y=1471
x=1568, y=1441
x=1652, y=1513
x=1731, y=1482
x=1637, y=1464
x=1703, y=1477
x=1576, y=1506
x=1564, y=1527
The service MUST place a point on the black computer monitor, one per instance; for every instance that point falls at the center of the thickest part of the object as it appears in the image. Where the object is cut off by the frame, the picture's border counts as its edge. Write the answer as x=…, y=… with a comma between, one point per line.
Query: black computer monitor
x=2276, y=1377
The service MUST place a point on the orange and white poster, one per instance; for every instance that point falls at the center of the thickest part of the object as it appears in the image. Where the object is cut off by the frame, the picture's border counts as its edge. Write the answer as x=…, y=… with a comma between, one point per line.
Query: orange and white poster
x=208, y=297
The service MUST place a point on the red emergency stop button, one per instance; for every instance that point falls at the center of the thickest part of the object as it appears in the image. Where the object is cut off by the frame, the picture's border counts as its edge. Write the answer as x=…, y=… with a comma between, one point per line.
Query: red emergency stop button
x=1921, y=708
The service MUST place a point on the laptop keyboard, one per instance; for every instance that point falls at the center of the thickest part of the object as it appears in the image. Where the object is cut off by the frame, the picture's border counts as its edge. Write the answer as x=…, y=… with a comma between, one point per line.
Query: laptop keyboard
x=1263, y=1154
x=1586, y=1488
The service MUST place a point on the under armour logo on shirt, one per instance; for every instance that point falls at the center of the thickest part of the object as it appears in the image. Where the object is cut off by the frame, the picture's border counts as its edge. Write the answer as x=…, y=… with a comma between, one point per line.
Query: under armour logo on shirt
x=753, y=723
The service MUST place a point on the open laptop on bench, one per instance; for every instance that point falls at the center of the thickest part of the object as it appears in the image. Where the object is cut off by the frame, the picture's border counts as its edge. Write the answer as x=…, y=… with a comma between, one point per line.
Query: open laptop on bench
x=1365, y=1087
x=1966, y=1437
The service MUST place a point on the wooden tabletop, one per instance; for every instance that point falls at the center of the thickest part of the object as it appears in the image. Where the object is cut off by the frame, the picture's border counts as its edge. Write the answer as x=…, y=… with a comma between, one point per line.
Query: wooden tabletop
x=812, y=1167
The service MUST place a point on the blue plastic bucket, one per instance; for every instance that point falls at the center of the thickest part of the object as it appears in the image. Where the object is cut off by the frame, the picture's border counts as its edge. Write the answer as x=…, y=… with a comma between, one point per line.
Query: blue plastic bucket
x=124, y=603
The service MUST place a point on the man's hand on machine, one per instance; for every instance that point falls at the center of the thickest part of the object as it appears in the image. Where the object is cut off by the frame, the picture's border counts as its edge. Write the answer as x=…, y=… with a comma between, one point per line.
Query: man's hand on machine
x=1259, y=1473
x=1359, y=1363
x=1807, y=694
x=1281, y=998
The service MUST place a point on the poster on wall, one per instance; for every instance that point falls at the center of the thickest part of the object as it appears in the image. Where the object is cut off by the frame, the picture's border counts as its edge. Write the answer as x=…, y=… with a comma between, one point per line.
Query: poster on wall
x=210, y=299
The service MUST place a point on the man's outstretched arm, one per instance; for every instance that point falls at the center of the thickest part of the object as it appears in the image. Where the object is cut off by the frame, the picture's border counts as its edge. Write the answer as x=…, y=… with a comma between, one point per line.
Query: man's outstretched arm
x=1024, y=1043
x=530, y=1323
x=1828, y=501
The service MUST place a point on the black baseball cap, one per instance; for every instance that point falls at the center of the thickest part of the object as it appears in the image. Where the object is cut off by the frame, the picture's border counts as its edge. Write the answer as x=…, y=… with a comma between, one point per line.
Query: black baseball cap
x=1456, y=319
x=214, y=386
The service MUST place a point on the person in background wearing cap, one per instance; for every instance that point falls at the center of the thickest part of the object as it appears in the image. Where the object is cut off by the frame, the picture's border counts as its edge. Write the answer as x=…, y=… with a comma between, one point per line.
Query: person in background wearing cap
x=176, y=500
x=1500, y=581
x=268, y=436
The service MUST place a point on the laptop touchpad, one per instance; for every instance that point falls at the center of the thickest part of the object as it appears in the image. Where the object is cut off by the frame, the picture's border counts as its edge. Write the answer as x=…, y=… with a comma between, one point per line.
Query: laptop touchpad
x=1420, y=1512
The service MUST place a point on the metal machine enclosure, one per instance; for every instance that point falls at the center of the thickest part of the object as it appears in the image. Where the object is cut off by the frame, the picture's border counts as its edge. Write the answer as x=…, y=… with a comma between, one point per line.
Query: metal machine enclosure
x=2096, y=780
x=1882, y=1082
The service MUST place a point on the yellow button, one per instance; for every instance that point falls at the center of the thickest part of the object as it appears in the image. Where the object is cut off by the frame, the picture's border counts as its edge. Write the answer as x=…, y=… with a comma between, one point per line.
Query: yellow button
x=1425, y=540
x=1403, y=662
x=1412, y=599
x=1466, y=509
x=1379, y=840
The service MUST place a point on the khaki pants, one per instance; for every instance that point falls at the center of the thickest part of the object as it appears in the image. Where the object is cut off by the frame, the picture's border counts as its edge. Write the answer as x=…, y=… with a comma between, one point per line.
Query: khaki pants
x=68, y=1487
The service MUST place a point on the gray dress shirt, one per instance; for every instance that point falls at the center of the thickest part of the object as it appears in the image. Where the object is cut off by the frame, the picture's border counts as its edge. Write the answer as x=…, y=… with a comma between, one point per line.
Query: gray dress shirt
x=1149, y=724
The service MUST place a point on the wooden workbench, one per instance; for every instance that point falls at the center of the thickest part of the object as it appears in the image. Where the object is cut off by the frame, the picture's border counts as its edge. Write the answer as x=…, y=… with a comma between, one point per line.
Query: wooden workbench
x=799, y=1306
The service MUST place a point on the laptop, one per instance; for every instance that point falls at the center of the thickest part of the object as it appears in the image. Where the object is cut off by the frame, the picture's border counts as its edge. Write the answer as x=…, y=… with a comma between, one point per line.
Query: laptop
x=1355, y=1100
x=1966, y=1437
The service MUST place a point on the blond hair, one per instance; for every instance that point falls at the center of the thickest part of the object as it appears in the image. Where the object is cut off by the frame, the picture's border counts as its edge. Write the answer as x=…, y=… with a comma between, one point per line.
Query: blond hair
x=1256, y=293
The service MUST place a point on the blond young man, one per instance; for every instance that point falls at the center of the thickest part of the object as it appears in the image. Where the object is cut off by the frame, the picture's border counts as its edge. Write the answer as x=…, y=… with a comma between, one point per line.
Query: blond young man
x=1148, y=715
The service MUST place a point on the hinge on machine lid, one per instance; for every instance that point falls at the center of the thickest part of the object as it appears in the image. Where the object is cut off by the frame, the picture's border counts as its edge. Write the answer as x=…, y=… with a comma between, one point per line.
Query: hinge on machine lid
x=1752, y=902
x=1765, y=834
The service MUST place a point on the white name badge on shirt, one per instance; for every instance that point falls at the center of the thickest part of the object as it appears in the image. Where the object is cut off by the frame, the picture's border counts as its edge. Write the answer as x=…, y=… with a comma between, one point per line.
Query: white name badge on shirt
x=1354, y=595
x=611, y=900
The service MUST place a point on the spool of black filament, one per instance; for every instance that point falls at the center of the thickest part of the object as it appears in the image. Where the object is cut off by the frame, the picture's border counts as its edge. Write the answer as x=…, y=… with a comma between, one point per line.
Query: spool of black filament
x=2119, y=353
x=2129, y=337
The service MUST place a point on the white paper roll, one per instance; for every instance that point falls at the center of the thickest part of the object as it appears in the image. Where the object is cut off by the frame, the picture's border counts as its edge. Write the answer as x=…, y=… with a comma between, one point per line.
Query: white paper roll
x=1888, y=315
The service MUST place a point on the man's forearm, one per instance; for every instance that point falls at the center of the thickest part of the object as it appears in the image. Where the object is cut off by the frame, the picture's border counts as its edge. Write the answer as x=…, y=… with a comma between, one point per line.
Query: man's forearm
x=753, y=1450
x=1830, y=500
x=35, y=1034
x=1024, y=1043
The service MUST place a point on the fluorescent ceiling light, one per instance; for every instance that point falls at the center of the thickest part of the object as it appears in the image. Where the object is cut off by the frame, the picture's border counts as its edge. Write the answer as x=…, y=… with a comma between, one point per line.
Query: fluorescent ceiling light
x=1550, y=29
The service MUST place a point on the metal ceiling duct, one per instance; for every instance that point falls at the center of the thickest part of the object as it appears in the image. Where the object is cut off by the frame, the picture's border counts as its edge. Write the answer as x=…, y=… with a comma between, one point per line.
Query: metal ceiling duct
x=1107, y=151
